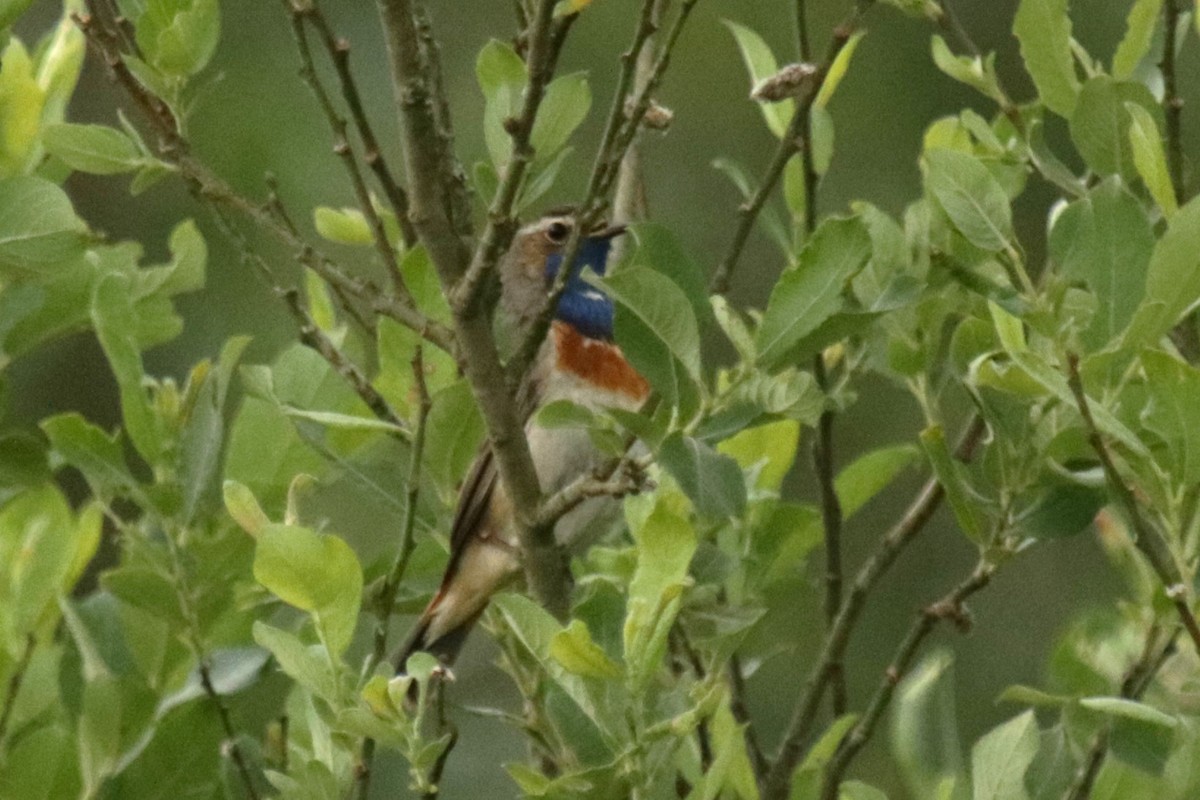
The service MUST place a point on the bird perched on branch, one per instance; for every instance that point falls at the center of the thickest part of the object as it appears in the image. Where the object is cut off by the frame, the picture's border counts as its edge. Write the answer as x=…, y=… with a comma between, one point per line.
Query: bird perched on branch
x=578, y=362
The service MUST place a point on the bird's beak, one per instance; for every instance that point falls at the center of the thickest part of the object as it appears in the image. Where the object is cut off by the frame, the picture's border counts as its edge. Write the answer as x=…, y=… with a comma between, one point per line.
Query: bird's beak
x=609, y=232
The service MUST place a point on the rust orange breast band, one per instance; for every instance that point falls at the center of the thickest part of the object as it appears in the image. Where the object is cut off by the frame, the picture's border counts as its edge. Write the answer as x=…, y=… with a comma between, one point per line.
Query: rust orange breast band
x=599, y=363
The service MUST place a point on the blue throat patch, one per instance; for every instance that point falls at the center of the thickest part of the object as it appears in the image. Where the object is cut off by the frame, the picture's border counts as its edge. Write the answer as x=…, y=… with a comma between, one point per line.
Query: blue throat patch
x=583, y=306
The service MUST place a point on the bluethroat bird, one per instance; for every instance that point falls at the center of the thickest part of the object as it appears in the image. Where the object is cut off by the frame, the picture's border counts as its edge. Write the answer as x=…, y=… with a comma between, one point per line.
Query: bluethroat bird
x=578, y=362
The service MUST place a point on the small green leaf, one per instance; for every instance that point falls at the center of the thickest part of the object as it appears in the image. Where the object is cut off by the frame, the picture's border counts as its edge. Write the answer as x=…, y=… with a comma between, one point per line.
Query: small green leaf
x=1139, y=33
x=970, y=70
x=317, y=573
x=574, y=648
x=712, y=481
x=244, y=508
x=91, y=451
x=342, y=226
x=837, y=70
x=971, y=197
x=659, y=249
x=179, y=36
x=38, y=226
x=1172, y=413
x=1172, y=278
x=1100, y=123
x=924, y=730
x=565, y=106
x=952, y=477
x=811, y=292
x=1149, y=159
x=999, y=760
x=760, y=63
x=97, y=149
x=305, y=664
x=870, y=474
x=1063, y=510
x=771, y=448
x=1043, y=28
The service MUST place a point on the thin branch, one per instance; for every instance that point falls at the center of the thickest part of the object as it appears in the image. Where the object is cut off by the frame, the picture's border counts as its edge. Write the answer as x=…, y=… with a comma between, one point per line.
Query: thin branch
x=1172, y=102
x=312, y=336
x=618, y=478
x=297, y=11
x=890, y=546
x=1137, y=680
x=14, y=685
x=630, y=203
x=737, y=706
x=173, y=148
x=951, y=608
x=385, y=600
x=437, y=200
x=546, y=38
x=792, y=141
x=831, y=518
x=949, y=22
x=1148, y=538
x=231, y=746
x=339, y=53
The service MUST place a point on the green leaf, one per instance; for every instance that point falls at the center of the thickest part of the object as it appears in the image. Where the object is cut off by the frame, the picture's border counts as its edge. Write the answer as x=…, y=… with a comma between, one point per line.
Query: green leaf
x=1173, y=414
x=244, y=508
x=91, y=451
x=953, y=478
x=659, y=249
x=1043, y=28
x=453, y=433
x=999, y=760
x=565, y=106
x=653, y=315
x=317, y=573
x=97, y=149
x=665, y=544
x=924, y=730
x=115, y=321
x=760, y=63
x=1063, y=510
x=342, y=226
x=1149, y=159
x=811, y=292
x=305, y=664
x=574, y=648
x=870, y=474
x=1105, y=240
x=179, y=36
x=1100, y=123
x=38, y=227
x=1142, y=736
x=857, y=790
x=770, y=448
x=498, y=69
x=971, y=197
x=38, y=541
x=837, y=71
x=1172, y=278
x=1139, y=33
x=202, y=439
x=22, y=99
x=973, y=71
x=712, y=481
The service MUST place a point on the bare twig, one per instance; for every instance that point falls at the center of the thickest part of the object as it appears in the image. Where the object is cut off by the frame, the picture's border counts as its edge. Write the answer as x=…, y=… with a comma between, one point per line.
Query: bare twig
x=831, y=518
x=231, y=745
x=385, y=600
x=792, y=140
x=1148, y=538
x=618, y=478
x=950, y=608
x=339, y=53
x=890, y=546
x=312, y=336
x=297, y=11
x=1137, y=680
x=1172, y=102
x=14, y=685
x=737, y=706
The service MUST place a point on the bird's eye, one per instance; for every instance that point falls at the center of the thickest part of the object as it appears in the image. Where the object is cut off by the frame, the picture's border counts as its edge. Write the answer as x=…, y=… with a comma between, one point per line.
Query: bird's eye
x=558, y=232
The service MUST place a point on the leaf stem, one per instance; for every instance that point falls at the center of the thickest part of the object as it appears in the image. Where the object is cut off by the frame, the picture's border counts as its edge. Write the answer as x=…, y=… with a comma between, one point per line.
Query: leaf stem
x=1172, y=102
x=14, y=685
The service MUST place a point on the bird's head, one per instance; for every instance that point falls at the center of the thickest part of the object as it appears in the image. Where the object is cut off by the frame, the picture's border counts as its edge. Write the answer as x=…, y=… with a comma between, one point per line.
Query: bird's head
x=534, y=261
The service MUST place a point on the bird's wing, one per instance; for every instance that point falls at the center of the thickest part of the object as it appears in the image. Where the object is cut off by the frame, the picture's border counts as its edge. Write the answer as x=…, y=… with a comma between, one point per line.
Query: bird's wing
x=480, y=485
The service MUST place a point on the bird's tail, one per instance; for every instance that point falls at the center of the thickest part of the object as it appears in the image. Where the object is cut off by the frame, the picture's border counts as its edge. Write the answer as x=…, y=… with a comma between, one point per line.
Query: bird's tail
x=427, y=636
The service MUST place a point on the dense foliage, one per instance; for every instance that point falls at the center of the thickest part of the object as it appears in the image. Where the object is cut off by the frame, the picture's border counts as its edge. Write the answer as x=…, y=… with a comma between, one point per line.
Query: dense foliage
x=233, y=644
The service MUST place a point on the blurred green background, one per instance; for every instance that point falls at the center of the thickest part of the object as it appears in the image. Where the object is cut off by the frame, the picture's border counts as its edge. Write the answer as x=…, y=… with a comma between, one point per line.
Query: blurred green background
x=255, y=116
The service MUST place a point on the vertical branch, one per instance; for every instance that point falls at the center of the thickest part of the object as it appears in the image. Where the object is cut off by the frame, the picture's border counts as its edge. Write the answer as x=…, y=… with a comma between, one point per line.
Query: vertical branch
x=385, y=600
x=1172, y=102
x=951, y=608
x=831, y=518
x=14, y=686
